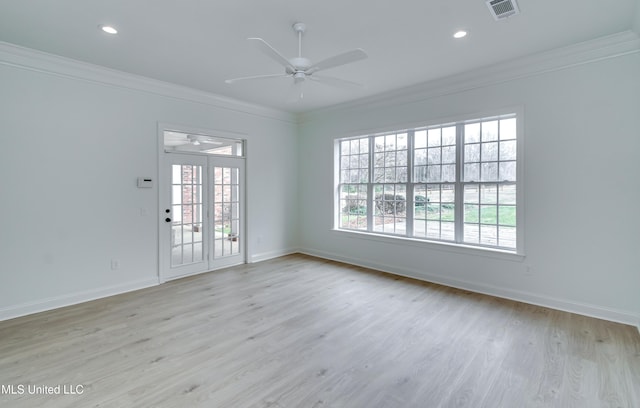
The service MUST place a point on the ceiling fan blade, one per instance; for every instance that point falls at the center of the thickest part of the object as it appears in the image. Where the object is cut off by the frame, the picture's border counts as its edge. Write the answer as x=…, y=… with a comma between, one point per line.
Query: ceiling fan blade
x=272, y=53
x=337, y=60
x=231, y=81
x=342, y=83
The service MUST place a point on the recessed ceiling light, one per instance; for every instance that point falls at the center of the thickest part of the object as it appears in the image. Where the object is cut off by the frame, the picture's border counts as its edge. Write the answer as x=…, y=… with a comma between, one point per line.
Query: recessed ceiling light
x=108, y=29
x=460, y=34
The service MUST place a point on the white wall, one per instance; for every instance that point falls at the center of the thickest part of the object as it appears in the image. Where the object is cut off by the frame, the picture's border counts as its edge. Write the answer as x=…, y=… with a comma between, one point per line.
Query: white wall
x=73, y=140
x=582, y=183
x=636, y=18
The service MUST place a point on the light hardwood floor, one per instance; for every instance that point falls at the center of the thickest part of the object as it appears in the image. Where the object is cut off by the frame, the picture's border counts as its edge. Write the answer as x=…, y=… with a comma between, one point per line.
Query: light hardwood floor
x=304, y=332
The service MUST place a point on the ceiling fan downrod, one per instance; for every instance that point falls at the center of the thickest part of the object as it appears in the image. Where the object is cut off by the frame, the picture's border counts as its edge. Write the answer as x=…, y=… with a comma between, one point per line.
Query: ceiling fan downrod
x=300, y=28
x=300, y=63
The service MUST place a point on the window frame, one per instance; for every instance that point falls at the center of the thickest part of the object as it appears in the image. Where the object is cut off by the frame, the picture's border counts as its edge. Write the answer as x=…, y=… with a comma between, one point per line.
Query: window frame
x=457, y=244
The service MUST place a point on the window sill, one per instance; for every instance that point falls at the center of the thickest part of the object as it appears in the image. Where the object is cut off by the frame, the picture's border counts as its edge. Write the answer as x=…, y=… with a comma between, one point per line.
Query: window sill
x=435, y=245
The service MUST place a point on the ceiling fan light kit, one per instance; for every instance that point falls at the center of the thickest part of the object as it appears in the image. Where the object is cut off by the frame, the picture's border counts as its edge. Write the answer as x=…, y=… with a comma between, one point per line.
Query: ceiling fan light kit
x=300, y=68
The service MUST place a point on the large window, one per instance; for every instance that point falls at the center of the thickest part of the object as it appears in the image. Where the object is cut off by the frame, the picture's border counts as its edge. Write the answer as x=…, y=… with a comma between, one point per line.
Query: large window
x=454, y=182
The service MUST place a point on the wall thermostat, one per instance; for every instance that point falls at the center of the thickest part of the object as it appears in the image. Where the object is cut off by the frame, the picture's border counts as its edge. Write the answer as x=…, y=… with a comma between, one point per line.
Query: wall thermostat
x=144, y=182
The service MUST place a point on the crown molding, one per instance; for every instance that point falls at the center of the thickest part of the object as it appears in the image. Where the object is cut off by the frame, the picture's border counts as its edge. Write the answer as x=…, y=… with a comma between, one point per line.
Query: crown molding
x=612, y=46
x=39, y=61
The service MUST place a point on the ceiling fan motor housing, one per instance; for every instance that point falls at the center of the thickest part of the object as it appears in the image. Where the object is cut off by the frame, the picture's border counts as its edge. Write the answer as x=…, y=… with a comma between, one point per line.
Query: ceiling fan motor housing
x=300, y=63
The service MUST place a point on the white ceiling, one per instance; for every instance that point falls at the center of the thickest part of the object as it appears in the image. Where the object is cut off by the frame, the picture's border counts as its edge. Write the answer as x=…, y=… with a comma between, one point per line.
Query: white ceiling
x=200, y=43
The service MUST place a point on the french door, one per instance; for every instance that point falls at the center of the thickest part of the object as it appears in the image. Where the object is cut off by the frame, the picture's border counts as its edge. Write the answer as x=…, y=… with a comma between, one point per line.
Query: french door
x=202, y=211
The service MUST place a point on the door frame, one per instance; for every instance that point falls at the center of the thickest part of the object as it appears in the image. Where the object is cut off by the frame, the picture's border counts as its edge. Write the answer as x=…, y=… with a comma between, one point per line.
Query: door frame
x=162, y=174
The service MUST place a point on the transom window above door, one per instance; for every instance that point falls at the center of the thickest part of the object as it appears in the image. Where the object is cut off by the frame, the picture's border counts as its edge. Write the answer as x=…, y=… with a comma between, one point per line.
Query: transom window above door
x=180, y=142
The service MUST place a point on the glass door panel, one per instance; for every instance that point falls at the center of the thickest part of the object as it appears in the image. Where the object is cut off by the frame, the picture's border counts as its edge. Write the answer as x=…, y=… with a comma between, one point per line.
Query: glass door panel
x=226, y=210
x=183, y=234
x=187, y=244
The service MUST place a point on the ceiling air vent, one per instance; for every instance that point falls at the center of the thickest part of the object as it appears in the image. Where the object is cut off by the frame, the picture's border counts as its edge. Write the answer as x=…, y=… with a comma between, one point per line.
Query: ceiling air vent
x=501, y=9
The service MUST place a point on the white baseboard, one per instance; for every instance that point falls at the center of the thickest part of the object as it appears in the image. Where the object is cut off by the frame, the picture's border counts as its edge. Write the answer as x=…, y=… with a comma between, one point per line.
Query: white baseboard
x=42, y=305
x=526, y=297
x=271, y=254
x=73, y=298
x=599, y=312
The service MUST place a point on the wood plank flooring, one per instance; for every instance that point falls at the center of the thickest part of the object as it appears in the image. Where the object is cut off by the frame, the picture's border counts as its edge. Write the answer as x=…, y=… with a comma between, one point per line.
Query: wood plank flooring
x=299, y=331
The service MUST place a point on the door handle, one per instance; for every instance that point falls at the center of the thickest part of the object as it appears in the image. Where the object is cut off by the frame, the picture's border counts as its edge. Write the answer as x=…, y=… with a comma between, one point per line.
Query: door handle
x=167, y=219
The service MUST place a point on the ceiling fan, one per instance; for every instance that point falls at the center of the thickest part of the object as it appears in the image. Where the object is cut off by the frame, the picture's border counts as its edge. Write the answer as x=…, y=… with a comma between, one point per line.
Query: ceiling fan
x=300, y=68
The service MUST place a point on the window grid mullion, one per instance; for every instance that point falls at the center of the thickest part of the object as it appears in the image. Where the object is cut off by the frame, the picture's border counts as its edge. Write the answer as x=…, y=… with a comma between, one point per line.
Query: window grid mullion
x=459, y=185
x=338, y=208
x=498, y=175
x=370, y=207
x=409, y=207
